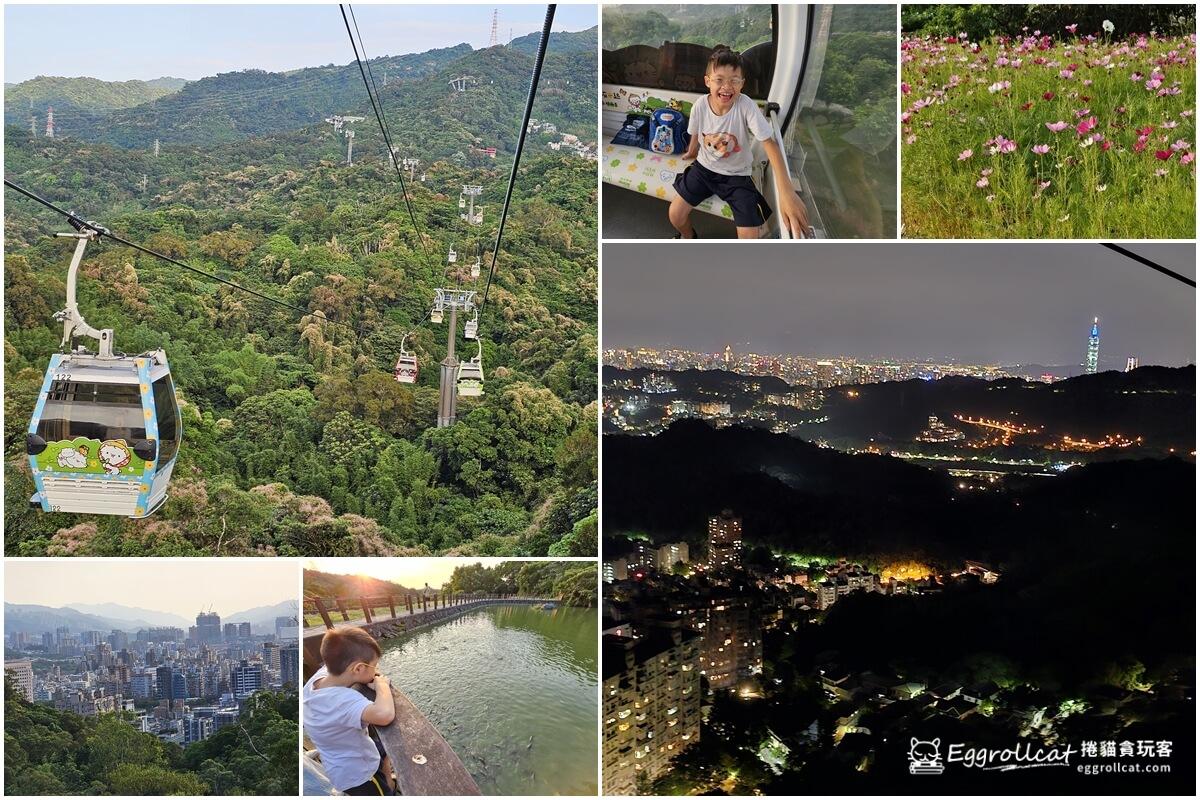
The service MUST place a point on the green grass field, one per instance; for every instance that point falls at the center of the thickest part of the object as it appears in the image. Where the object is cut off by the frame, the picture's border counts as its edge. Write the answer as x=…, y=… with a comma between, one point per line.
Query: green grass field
x=1044, y=138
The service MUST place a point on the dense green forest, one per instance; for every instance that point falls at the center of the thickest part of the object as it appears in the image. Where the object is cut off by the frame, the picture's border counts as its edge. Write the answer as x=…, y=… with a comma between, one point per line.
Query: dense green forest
x=572, y=582
x=297, y=441
x=51, y=752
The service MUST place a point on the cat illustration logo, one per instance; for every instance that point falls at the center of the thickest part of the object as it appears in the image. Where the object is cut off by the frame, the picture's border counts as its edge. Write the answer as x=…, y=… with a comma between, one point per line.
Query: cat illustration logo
x=720, y=145
x=114, y=454
x=924, y=758
x=73, y=457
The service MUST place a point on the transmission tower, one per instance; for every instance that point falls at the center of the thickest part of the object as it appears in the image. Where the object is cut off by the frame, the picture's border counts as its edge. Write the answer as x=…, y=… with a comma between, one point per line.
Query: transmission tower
x=50, y=123
x=156, y=148
x=454, y=300
x=470, y=216
x=494, y=40
x=143, y=183
x=349, y=146
x=33, y=125
x=410, y=164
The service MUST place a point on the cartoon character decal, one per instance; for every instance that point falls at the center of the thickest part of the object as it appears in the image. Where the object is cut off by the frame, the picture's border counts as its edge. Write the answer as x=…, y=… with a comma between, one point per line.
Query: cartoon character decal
x=720, y=145
x=73, y=457
x=114, y=454
x=664, y=141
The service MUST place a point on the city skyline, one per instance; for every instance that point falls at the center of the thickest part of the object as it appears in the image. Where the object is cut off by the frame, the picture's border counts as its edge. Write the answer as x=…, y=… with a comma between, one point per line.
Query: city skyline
x=1001, y=304
x=183, y=588
x=196, y=41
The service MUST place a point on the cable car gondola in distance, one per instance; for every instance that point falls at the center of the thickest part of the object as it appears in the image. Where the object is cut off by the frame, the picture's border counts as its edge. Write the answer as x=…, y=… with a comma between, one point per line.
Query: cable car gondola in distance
x=407, y=366
x=470, y=376
x=106, y=429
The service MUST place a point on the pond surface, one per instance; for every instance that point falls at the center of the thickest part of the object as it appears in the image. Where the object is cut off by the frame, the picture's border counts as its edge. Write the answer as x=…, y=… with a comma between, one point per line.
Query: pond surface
x=513, y=689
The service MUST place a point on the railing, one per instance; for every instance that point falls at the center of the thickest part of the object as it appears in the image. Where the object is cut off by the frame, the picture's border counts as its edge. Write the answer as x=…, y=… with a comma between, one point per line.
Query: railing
x=365, y=607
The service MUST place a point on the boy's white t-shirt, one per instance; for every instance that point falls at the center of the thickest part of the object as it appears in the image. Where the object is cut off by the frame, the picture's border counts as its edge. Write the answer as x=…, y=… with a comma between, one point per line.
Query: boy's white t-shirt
x=333, y=722
x=725, y=139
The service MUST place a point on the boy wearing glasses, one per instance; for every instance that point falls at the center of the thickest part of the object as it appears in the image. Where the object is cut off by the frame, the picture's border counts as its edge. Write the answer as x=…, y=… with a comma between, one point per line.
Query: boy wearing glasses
x=336, y=716
x=720, y=127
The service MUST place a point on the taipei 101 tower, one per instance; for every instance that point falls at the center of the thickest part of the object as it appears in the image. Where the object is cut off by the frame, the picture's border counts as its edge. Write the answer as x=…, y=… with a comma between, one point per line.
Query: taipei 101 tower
x=1093, y=351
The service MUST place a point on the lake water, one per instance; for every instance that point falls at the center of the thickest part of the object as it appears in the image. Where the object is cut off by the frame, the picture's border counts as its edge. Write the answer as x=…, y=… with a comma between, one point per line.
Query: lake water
x=513, y=689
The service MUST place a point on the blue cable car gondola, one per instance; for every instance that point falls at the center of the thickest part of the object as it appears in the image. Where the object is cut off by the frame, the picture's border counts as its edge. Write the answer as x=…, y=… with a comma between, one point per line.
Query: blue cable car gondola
x=106, y=429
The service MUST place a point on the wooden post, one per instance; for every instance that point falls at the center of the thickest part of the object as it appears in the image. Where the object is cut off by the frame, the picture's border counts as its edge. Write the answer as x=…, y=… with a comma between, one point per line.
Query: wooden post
x=342, y=608
x=324, y=614
x=424, y=602
x=408, y=602
x=392, y=605
x=366, y=609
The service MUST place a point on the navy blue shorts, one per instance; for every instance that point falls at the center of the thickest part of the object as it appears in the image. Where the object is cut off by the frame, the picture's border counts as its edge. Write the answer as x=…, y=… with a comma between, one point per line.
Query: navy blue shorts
x=697, y=183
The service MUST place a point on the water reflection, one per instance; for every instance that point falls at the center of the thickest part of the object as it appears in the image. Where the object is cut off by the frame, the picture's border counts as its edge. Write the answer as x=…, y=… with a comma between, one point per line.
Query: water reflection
x=513, y=690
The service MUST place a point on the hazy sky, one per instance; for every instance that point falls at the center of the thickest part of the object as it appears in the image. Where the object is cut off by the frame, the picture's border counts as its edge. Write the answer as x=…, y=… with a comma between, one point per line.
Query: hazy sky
x=180, y=587
x=411, y=572
x=127, y=42
x=983, y=303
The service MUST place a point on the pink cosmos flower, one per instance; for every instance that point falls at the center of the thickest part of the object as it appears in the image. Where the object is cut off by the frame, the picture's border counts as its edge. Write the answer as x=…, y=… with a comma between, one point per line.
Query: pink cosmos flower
x=1041, y=149
x=1057, y=127
x=910, y=139
x=1071, y=28
x=985, y=172
x=1180, y=144
x=1065, y=74
x=1085, y=125
x=964, y=155
x=1187, y=158
x=1162, y=155
x=1137, y=76
x=998, y=86
x=1105, y=146
x=981, y=183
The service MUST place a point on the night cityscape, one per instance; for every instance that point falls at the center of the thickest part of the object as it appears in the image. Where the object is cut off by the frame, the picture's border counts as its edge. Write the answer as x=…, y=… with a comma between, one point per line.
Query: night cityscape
x=839, y=574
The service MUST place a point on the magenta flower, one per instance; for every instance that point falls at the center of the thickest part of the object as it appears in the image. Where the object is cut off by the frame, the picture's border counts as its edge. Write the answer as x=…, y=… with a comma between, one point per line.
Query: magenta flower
x=964, y=155
x=905, y=88
x=1071, y=28
x=1162, y=155
x=1057, y=127
x=1041, y=149
x=1065, y=74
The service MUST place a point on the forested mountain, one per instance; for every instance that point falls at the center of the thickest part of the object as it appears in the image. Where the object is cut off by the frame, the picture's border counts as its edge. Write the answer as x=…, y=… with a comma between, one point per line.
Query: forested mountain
x=296, y=438
x=78, y=102
x=236, y=106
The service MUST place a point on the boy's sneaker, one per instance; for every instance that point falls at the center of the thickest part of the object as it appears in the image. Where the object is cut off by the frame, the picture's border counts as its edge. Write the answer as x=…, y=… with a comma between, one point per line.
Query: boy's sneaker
x=695, y=234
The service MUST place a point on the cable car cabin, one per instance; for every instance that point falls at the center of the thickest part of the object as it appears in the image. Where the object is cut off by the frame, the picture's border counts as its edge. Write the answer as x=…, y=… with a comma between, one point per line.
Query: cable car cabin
x=470, y=378
x=839, y=143
x=471, y=329
x=407, y=369
x=452, y=256
x=462, y=201
x=476, y=267
x=435, y=316
x=104, y=435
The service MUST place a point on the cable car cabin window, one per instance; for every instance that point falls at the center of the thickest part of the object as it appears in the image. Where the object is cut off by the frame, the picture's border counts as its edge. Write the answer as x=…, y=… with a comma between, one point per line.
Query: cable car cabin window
x=845, y=120
x=167, y=410
x=93, y=410
x=667, y=47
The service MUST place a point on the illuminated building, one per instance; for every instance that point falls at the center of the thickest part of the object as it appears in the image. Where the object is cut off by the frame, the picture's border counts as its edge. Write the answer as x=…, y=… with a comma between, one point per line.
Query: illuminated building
x=651, y=704
x=1131, y=363
x=724, y=541
x=732, y=646
x=728, y=356
x=938, y=431
x=1093, y=349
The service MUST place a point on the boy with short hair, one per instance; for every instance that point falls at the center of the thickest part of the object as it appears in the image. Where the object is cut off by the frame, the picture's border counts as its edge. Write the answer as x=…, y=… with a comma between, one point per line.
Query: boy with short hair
x=336, y=716
x=720, y=126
